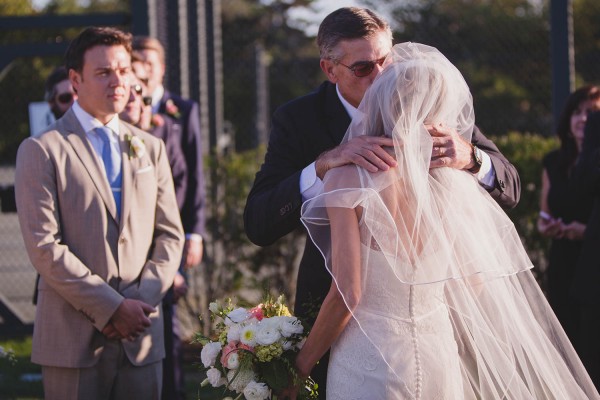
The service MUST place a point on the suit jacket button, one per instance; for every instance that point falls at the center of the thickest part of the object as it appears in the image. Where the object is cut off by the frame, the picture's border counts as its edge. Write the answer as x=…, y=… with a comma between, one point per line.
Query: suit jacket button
x=122, y=240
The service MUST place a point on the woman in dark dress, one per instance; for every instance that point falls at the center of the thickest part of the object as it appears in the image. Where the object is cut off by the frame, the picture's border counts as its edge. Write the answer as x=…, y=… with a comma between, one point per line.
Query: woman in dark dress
x=565, y=206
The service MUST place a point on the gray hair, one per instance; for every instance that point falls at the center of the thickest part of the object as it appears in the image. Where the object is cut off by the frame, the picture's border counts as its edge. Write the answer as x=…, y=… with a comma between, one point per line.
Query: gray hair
x=346, y=24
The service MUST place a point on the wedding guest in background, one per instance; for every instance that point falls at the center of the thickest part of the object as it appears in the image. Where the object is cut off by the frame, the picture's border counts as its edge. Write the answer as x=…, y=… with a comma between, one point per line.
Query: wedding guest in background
x=186, y=113
x=304, y=144
x=565, y=207
x=137, y=113
x=59, y=91
x=587, y=275
x=99, y=219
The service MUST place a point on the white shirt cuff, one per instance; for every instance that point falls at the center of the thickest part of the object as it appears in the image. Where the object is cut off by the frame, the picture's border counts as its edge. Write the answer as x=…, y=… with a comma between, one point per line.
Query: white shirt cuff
x=310, y=184
x=194, y=237
x=486, y=175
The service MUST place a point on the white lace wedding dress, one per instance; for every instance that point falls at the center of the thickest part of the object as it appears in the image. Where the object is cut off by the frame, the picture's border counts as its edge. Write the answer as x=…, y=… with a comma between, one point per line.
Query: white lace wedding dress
x=414, y=324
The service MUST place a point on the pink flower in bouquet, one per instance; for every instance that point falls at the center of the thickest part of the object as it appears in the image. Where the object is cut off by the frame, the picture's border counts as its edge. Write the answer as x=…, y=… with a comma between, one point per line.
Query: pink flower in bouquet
x=227, y=350
x=229, y=354
x=257, y=312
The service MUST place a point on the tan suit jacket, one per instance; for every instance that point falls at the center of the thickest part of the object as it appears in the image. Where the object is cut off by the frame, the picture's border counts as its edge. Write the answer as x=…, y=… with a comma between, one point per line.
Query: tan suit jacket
x=89, y=259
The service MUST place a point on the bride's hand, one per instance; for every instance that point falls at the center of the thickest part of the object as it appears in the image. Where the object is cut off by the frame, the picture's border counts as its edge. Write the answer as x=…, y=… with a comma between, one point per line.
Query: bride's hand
x=449, y=148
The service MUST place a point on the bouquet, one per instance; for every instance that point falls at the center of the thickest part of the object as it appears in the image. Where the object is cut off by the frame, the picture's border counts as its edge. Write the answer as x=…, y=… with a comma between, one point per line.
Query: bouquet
x=255, y=351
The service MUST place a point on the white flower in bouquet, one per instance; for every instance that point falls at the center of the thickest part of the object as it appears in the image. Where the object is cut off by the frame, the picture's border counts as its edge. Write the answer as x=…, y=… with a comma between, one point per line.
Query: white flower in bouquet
x=256, y=391
x=242, y=378
x=238, y=315
x=215, y=378
x=233, y=334
x=248, y=335
x=209, y=353
x=268, y=332
x=290, y=326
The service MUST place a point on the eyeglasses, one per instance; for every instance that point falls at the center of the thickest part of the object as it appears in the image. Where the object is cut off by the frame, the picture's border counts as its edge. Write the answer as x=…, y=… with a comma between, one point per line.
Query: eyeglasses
x=65, y=98
x=363, y=68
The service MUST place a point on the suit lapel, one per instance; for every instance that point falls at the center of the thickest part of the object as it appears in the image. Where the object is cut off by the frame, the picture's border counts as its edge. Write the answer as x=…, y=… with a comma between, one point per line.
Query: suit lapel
x=128, y=172
x=73, y=132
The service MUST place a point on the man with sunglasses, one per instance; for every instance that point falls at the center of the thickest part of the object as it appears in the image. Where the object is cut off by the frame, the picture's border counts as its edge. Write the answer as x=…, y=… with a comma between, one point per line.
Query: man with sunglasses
x=305, y=143
x=59, y=92
x=139, y=114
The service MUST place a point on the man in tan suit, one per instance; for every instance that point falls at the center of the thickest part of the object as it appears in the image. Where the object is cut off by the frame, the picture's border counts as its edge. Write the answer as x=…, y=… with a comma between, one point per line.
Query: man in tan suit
x=101, y=225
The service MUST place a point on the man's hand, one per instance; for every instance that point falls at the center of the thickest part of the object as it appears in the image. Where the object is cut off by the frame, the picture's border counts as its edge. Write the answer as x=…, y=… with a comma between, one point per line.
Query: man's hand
x=111, y=332
x=130, y=319
x=550, y=227
x=364, y=151
x=192, y=253
x=574, y=230
x=180, y=288
x=449, y=148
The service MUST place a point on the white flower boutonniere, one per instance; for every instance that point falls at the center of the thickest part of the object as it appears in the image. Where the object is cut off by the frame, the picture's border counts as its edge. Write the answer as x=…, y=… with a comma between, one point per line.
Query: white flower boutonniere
x=137, y=148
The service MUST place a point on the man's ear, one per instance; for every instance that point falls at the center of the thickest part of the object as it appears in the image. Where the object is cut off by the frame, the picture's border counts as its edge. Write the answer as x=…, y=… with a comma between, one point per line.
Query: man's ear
x=75, y=78
x=328, y=67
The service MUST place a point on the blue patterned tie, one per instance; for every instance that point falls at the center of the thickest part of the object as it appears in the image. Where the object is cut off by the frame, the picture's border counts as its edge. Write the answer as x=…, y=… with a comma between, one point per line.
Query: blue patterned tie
x=112, y=164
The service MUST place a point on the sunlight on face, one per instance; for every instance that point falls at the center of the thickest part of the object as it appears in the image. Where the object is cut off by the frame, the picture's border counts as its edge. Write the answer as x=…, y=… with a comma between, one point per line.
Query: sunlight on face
x=104, y=82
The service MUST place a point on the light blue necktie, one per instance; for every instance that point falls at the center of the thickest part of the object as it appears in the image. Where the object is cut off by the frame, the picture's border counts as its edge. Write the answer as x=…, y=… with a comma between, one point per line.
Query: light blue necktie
x=112, y=164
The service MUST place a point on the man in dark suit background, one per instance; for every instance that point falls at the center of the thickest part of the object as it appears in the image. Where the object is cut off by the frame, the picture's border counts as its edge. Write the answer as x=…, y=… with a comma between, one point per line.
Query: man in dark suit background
x=305, y=142
x=185, y=113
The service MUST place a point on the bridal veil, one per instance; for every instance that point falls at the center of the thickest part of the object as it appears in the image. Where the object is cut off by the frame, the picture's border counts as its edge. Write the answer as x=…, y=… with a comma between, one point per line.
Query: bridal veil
x=431, y=227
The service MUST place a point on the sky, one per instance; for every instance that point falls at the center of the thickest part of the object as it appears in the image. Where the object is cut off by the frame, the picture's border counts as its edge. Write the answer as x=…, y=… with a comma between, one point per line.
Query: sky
x=322, y=7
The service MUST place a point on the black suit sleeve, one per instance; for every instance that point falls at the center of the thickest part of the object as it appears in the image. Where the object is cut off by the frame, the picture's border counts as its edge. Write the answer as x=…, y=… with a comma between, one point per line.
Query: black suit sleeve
x=507, y=186
x=274, y=202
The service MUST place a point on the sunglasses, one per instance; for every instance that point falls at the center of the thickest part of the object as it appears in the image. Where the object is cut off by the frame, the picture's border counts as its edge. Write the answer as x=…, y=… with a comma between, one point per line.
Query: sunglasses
x=363, y=68
x=65, y=98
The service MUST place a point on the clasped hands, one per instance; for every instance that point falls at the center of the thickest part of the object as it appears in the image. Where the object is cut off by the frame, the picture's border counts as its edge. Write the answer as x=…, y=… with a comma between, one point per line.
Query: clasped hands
x=555, y=228
x=129, y=321
x=449, y=150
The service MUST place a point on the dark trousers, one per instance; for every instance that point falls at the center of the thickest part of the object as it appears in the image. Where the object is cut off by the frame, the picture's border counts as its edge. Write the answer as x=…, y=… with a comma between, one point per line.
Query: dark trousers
x=173, y=387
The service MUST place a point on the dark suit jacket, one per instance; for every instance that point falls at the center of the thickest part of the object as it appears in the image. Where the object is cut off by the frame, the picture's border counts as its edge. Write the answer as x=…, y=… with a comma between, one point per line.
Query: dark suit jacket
x=587, y=173
x=300, y=131
x=193, y=211
x=170, y=133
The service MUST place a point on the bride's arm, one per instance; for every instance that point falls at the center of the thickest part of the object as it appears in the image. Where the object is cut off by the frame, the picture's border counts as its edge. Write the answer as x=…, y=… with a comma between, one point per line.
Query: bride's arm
x=335, y=311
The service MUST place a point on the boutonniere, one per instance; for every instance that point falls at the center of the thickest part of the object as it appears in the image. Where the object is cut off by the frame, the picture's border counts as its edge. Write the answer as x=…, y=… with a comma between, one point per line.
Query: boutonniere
x=157, y=120
x=137, y=148
x=172, y=109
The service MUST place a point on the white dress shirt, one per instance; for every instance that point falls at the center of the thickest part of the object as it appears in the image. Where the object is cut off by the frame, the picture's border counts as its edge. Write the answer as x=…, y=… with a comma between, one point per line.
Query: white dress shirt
x=89, y=123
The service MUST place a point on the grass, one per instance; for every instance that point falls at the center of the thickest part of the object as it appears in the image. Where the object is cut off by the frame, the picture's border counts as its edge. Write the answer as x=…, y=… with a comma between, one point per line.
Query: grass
x=18, y=378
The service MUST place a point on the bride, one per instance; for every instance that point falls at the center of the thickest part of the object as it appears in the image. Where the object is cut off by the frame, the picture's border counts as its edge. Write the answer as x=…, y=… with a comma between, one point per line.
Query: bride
x=432, y=294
